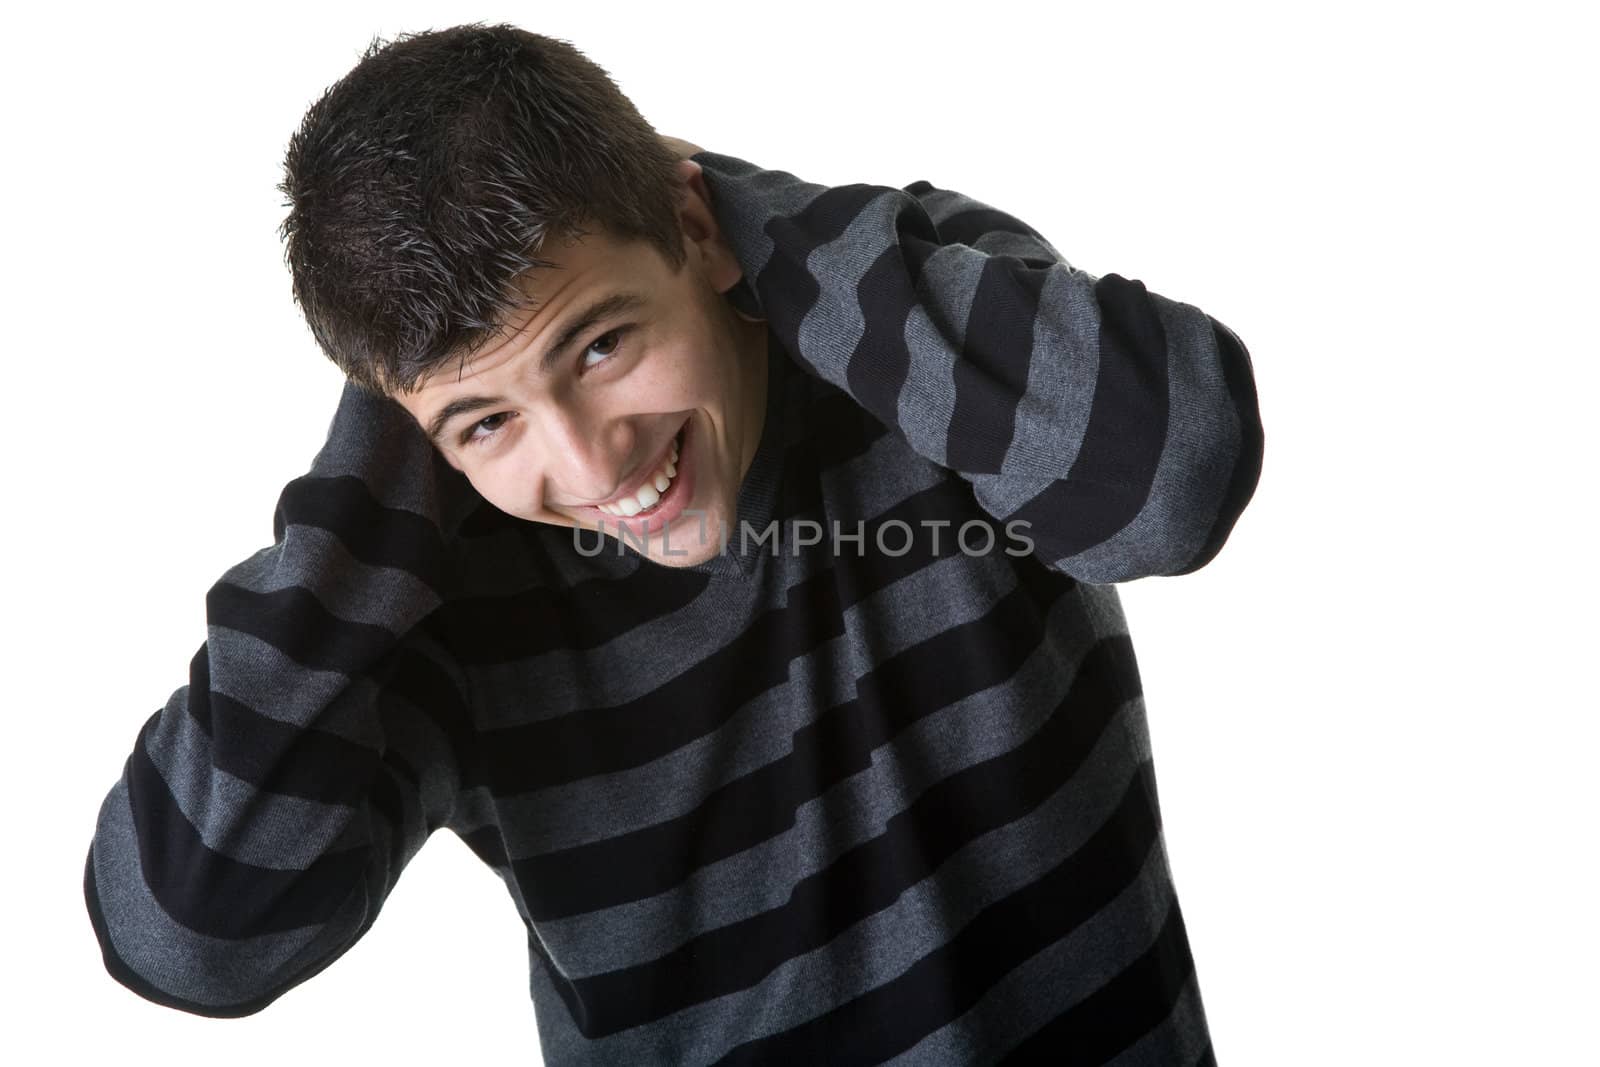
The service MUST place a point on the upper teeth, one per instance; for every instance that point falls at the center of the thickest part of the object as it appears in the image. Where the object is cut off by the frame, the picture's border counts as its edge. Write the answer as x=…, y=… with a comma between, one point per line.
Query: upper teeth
x=650, y=491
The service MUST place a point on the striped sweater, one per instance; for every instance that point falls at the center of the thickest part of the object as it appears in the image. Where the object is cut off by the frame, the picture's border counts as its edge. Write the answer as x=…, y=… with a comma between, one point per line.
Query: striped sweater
x=879, y=795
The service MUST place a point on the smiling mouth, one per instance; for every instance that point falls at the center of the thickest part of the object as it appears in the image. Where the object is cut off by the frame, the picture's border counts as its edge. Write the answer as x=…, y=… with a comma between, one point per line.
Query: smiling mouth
x=654, y=490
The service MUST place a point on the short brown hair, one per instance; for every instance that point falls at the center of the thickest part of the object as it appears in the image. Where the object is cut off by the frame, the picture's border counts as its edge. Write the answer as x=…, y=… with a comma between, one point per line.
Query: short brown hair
x=425, y=182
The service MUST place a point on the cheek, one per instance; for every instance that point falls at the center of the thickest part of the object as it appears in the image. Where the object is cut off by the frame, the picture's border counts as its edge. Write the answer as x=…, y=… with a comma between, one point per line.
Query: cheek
x=506, y=490
x=678, y=377
x=490, y=489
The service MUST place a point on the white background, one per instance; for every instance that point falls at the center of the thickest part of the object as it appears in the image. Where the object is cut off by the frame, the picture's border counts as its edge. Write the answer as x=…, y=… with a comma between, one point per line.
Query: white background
x=1373, y=714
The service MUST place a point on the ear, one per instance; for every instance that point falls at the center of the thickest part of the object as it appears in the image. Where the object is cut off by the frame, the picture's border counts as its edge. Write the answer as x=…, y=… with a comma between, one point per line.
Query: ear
x=701, y=233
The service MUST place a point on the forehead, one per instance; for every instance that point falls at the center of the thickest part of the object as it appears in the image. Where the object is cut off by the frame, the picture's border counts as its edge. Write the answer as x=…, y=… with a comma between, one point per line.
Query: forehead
x=578, y=268
x=581, y=270
x=590, y=282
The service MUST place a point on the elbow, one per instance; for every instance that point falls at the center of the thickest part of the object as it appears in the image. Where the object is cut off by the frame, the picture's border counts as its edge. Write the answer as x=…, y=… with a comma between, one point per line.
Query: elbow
x=173, y=956
x=1207, y=528
x=1217, y=475
x=1235, y=454
x=1169, y=512
x=125, y=951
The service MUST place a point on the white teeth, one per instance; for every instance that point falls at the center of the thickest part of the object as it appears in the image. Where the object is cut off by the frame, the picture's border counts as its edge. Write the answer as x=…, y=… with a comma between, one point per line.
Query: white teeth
x=648, y=494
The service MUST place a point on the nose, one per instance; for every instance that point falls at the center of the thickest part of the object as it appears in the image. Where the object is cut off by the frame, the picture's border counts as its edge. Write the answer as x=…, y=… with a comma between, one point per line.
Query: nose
x=586, y=456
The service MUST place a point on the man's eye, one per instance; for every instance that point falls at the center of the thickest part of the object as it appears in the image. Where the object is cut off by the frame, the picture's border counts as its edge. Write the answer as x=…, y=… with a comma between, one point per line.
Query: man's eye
x=489, y=427
x=614, y=337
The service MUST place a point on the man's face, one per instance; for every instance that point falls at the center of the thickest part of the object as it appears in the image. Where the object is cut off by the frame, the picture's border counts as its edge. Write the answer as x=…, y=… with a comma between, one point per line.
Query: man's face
x=582, y=434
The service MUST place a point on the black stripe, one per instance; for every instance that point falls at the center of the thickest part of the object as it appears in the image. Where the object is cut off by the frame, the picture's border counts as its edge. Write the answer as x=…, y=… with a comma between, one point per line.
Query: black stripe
x=277, y=757
x=873, y=874
x=426, y=687
x=877, y=368
x=293, y=621
x=846, y=430
x=311, y=764
x=391, y=796
x=214, y=894
x=1116, y=464
x=1122, y=1011
x=199, y=692
x=991, y=376
x=483, y=630
x=786, y=288
x=273, y=755
x=970, y=225
x=1236, y=371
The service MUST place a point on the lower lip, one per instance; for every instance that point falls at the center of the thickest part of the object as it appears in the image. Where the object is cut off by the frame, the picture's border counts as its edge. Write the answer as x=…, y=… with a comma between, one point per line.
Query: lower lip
x=668, y=508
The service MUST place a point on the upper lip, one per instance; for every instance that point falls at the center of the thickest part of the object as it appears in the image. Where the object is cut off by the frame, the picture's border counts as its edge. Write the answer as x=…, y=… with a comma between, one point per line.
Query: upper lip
x=660, y=461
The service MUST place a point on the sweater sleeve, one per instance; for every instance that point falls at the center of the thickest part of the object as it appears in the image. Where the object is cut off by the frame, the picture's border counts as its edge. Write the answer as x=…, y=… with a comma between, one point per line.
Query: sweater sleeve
x=267, y=810
x=1121, y=426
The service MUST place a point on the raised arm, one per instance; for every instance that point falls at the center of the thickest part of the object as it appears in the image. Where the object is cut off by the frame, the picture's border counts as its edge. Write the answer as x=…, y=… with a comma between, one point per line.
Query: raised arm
x=1120, y=425
x=267, y=810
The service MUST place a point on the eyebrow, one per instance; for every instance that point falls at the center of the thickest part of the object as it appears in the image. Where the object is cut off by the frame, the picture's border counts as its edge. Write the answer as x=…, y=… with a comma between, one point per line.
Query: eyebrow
x=579, y=324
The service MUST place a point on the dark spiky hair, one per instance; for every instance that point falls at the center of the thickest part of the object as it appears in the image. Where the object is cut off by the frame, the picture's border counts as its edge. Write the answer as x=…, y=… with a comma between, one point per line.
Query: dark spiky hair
x=426, y=181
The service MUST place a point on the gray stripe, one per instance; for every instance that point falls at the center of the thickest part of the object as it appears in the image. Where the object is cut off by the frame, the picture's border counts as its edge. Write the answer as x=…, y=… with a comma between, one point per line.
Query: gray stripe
x=255, y=673
x=744, y=197
x=928, y=398
x=942, y=204
x=280, y=833
x=887, y=474
x=313, y=559
x=833, y=326
x=1063, y=369
x=1018, y=245
x=376, y=440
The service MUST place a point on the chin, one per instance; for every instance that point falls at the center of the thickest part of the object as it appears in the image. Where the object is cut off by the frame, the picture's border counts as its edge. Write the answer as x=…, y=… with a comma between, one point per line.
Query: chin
x=692, y=555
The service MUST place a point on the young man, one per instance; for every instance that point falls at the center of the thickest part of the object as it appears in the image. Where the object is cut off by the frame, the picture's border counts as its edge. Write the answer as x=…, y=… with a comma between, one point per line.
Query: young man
x=728, y=560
